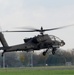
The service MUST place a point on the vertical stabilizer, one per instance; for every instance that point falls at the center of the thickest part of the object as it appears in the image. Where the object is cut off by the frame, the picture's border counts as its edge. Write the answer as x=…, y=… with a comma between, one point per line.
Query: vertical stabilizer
x=3, y=41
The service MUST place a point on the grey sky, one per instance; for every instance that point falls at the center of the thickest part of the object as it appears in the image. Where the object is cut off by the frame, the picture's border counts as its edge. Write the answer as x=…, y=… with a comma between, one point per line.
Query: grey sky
x=37, y=13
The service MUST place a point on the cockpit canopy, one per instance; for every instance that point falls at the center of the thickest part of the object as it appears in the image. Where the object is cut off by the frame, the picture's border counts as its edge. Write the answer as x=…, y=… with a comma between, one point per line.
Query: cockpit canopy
x=54, y=38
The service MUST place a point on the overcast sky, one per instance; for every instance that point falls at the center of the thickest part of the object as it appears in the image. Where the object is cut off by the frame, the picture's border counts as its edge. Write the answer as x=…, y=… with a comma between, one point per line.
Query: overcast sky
x=37, y=13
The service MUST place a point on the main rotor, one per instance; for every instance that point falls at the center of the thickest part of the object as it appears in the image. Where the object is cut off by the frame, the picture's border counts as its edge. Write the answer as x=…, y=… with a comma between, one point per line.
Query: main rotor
x=41, y=30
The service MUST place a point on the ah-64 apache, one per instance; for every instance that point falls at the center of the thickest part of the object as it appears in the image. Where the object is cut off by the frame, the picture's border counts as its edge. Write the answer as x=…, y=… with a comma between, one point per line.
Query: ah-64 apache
x=41, y=41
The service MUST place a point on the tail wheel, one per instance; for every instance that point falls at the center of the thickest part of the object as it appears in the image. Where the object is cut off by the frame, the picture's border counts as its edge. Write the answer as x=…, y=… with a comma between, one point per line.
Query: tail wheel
x=3, y=53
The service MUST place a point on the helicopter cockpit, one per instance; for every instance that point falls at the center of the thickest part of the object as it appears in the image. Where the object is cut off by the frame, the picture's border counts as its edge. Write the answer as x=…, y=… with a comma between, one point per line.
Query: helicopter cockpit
x=54, y=38
x=57, y=40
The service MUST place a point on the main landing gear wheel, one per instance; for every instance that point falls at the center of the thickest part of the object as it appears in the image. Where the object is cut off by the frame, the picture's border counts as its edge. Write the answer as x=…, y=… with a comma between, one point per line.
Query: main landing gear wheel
x=53, y=51
x=44, y=53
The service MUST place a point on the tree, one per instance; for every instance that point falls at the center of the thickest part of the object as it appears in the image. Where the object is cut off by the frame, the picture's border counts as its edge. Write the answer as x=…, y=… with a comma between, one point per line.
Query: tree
x=11, y=60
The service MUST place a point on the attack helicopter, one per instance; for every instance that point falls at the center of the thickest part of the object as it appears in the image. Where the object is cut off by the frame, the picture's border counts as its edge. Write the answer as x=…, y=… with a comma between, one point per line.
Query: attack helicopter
x=41, y=41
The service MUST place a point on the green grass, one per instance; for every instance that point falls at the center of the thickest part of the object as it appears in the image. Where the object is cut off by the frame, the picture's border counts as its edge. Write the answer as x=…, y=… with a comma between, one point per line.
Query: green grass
x=61, y=70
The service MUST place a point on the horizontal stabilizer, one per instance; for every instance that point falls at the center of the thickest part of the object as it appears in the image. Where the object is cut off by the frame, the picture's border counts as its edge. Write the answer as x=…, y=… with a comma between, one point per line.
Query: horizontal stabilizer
x=4, y=48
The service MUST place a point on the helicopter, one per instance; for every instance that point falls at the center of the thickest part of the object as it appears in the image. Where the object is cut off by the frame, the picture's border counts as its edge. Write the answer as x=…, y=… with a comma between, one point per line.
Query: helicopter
x=41, y=41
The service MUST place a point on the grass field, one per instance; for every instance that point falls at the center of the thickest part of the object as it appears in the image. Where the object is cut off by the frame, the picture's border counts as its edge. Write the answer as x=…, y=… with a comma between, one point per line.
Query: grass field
x=60, y=70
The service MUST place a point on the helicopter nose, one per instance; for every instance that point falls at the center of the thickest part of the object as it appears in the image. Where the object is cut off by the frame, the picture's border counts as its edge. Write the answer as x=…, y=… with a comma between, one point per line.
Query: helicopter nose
x=62, y=43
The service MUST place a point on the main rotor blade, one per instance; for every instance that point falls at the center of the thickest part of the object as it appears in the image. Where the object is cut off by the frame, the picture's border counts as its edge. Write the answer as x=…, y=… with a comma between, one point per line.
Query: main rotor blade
x=19, y=31
x=57, y=28
x=34, y=30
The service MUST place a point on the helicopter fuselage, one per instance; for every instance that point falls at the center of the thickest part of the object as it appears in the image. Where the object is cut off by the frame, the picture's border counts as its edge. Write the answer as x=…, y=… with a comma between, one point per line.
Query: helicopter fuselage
x=43, y=42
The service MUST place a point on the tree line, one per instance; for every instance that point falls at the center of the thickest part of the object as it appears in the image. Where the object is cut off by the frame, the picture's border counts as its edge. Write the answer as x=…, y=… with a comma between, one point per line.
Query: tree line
x=24, y=59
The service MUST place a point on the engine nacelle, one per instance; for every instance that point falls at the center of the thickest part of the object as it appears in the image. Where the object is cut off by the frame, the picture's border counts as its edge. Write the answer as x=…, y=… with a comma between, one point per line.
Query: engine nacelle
x=43, y=38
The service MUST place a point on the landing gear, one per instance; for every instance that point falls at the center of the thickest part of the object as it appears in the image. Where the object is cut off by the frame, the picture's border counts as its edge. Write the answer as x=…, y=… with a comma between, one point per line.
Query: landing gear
x=2, y=54
x=44, y=53
x=53, y=51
